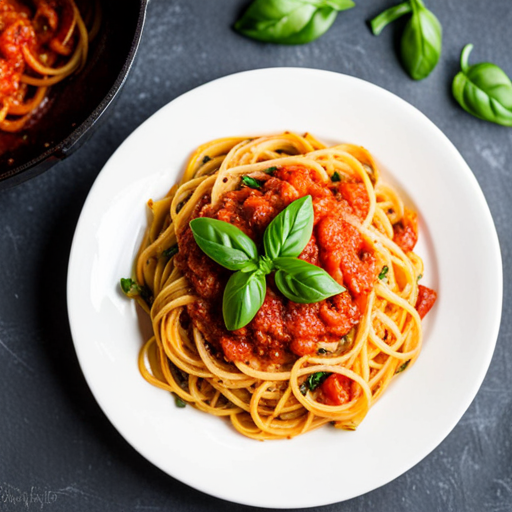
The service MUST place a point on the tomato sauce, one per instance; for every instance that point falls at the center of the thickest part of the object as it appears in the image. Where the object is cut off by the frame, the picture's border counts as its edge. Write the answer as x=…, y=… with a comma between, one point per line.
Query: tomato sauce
x=283, y=330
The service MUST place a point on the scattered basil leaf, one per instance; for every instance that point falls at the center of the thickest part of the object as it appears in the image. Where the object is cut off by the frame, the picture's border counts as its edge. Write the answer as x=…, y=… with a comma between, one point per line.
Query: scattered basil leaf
x=321, y=351
x=335, y=176
x=484, y=90
x=316, y=379
x=270, y=170
x=378, y=23
x=206, y=159
x=384, y=272
x=421, y=42
x=224, y=243
x=243, y=296
x=251, y=182
x=130, y=287
x=169, y=253
x=289, y=21
x=290, y=231
x=419, y=277
x=303, y=282
x=179, y=402
x=304, y=388
x=402, y=367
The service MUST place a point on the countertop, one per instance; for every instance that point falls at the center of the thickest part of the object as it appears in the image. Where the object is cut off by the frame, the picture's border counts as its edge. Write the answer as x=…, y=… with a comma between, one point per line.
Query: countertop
x=58, y=451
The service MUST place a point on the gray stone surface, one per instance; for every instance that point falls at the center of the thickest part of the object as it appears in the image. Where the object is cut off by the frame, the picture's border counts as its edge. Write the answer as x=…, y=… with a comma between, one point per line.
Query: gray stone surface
x=55, y=442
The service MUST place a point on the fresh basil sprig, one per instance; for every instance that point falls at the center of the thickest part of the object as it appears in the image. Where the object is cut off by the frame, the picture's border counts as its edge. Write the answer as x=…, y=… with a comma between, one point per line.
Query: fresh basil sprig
x=283, y=240
x=484, y=90
x=224, y=243
x=421, y=42
x=290, y=21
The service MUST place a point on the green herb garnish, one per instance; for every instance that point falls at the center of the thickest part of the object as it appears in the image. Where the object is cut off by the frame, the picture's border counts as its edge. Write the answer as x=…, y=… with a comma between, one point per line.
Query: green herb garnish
x=283, y=241
x=169, y=253
x=206, y=159
x=179, y=402
x=289, y=21
x=251, y=182
x=421, y=41
x=419, y=277
x=130, y=287
x=270, y=170
x=316, y=379
x=384, y=272
x=402, y=367
x=483, y=90
x=335, y=176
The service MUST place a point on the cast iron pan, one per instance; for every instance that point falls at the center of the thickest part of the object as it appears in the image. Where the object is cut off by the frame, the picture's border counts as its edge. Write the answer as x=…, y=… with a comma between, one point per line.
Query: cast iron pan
x=76, y=104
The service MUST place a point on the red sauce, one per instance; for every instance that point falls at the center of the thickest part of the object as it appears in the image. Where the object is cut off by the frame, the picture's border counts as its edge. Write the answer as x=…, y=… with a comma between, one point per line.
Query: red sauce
x=283, y=330
x=425, y=301
x=406, y=231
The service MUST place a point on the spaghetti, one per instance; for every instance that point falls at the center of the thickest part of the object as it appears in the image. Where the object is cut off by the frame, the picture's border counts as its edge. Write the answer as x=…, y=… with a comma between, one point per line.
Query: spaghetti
x=38, y=48
x=294, y=367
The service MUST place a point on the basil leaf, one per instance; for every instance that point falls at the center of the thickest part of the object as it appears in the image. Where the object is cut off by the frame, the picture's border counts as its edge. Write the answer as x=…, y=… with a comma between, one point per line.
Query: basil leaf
x=251, y=182
x=243, y=296
x=483, y=90
x=316, y=379
x=169, y=253
x=402, y=367
x=384, y=272
x=290, y=21
x=335, y=176
x=303, y=282
x=290, y=231
x=378, y=23
x=130, y=287
x=224, y=243
x=421, y=42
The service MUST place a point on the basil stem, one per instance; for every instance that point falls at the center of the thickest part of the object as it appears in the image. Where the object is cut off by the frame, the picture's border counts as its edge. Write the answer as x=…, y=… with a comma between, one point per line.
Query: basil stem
x=243, y=297
x=290, y=21
x=224, y=243
x=290, y=231
x=388, y=16
x=421, y=42
x=129, y=286
x=303, y=282
x=483, y=90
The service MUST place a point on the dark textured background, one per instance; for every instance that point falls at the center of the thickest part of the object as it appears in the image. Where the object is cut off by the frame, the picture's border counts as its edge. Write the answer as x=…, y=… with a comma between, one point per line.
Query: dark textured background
x=55, y=442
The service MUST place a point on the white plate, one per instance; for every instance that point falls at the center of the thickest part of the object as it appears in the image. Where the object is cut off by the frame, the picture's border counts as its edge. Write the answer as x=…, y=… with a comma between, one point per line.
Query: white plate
x=457, y=241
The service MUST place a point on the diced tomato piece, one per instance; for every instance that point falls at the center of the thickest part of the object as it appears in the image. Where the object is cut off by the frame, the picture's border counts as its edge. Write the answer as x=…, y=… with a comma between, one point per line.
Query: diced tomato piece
x=425, y=301
x=336, y=389
x=406, y=231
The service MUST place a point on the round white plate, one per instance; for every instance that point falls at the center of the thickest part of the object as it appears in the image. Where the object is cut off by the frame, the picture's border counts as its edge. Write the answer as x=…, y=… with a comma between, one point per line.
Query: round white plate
x=458, y=243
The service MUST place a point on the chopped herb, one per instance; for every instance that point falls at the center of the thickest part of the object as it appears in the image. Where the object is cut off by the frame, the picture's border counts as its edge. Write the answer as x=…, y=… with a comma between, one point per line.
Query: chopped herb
x=419, y=277
x=335, y=176
x=181, y=205
x=169, y=253
x=321, y=351
x=303, y=388
x=270, y=170
x=206, y=159
x=384, y=272
x=179, y=402
x=130, y=287
x=402, y=367
x=251, y=182
x=315, y=379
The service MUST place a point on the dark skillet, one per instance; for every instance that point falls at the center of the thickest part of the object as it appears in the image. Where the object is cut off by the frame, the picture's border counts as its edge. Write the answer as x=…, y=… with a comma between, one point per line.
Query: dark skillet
x=76, y=104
